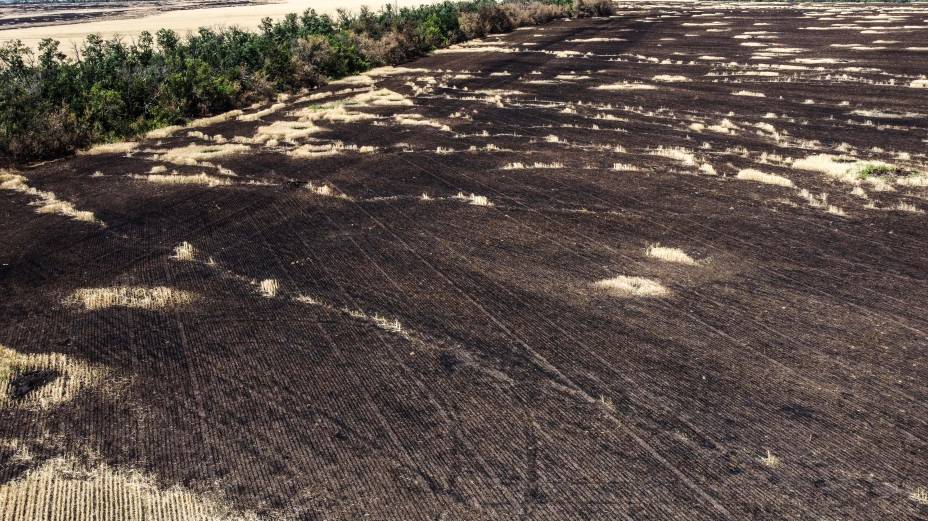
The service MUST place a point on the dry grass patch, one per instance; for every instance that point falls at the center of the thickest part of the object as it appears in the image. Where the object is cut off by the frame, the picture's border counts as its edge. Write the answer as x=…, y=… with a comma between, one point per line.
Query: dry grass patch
x=677, y=154
x=42, y=380
x=65, y=209
x=277, y=131
x=541, y=166
x=164, y=132
x=193, y=154
x=919, y=180
x=771, y=461
x=134, y=297
x=255, y=116
x=67, y=489
x=184, y=252
x=197, y=179
x=750, y=174
x=667, y=254
x=821, y=202
x=670, y=78
x=625, y=167
x=726, y=126
x=476, y=200
x=269, y=288
x=591, y=40
x=311, y=150
x=849, y=169
x=624, y=286
x=325, y=191
x=415, y=120
x=903, y=206
x=46, y=202
x=382, y=98
x=109, y=148
x=624, y=85
x=212, y=120
x=920, y=495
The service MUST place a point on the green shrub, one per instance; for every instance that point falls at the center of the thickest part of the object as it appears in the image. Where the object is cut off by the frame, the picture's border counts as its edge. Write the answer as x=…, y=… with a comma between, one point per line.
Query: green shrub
x=593, y=8
x=877, y=170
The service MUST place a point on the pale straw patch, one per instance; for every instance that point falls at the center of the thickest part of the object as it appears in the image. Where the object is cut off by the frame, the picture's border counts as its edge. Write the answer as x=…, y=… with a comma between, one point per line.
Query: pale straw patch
x=667, y=254
x=624, y=286
x=134, y=297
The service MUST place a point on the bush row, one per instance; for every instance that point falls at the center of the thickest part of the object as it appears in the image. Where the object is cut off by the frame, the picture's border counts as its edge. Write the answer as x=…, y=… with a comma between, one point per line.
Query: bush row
x=51, y=104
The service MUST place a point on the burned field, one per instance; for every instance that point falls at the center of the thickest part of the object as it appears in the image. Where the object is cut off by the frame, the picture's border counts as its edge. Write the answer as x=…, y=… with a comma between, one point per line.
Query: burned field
x=666, y=265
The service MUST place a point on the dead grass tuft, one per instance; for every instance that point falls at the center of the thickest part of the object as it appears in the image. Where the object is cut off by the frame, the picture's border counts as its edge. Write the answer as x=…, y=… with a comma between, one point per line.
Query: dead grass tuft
x=540, y=166
x=184, y=252
x=920, y=495
x=269, y=287
x=476, y=200
x=197, y=179
x=624, y=167
x=624, y=286
x=676, y=153
x=47, y=202
x=821, y=202
x=325, y=191
x=750, y=174
x=624, y=85
x=135, y=297
x=670, y=255
x=771, y=461
x=670, y=78
x=110, y=148
x=193, y=154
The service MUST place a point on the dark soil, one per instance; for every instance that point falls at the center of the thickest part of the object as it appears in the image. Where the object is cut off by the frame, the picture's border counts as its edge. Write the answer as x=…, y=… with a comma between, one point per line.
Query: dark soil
x=30, y=381
x=515, y=389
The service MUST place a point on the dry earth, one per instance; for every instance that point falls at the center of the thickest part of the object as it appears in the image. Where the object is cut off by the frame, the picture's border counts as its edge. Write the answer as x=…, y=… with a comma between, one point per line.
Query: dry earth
x=14, y=15
x=71, y=23
x=631, y=268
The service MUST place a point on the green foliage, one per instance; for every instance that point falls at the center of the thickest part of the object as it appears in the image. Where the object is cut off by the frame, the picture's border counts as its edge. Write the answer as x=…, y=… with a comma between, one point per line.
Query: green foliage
x=877, y=170
x=51, y=104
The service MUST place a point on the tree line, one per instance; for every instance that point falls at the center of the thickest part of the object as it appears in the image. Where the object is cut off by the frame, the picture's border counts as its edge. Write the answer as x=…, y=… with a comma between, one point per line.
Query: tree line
x=52, y=104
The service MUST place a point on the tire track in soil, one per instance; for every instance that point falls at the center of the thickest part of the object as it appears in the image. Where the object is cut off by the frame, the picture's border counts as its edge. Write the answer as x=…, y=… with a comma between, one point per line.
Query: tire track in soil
x=572, y=390
x=577, y=391
x=809, y=382
x=812, y=385
x=447, y=417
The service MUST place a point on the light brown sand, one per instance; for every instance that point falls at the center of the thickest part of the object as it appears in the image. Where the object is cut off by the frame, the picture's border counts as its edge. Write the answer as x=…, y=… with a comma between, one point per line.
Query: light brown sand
x=246, y=16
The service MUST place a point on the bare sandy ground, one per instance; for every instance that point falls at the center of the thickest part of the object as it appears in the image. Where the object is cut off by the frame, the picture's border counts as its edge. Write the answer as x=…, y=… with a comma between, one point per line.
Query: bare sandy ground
x=183, y=21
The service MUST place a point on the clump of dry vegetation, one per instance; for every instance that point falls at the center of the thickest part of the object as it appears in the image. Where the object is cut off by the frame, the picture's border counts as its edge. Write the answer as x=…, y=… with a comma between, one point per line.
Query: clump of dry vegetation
x=750, y=174
x=195, y=179
x=269, y=287
x=771, y=461
x=62, y=487
x=667, y=254
x=137, y=297
x=45, y=202
x=625, y=286
x=476, y=200
x=920, y=495
x=184, y=252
